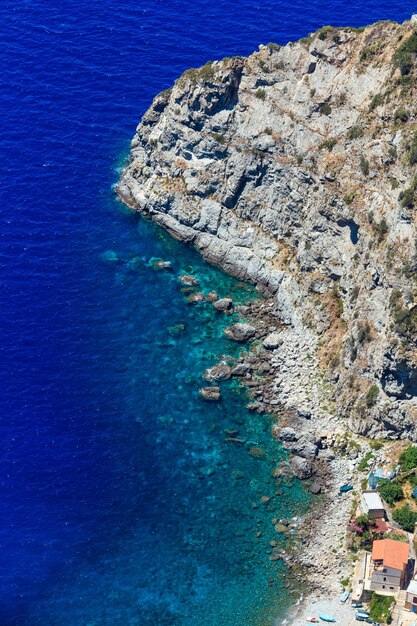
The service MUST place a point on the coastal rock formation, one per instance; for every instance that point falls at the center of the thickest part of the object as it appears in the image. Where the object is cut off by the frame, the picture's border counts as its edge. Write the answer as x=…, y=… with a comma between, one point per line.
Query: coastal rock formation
x=294, y=169
x=240, y=332
x=224, y=304
x=210, y=393
x=222, y=371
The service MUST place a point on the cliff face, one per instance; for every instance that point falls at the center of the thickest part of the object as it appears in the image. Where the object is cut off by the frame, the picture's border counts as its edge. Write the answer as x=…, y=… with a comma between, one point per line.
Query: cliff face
x=294, y=169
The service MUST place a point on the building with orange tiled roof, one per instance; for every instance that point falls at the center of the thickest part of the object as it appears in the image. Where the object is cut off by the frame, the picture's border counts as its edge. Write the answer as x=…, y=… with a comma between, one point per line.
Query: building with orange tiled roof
x=390, y=568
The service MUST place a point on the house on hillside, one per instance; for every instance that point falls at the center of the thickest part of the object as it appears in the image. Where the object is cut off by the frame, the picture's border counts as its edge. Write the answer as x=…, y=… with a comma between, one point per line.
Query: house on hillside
x=371, y=504
x=390, y=567
x=411, y=597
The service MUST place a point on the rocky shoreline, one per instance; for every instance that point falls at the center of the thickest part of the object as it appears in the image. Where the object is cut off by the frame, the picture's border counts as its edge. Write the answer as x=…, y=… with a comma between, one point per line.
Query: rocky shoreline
x=293, y=170
x=317, y=555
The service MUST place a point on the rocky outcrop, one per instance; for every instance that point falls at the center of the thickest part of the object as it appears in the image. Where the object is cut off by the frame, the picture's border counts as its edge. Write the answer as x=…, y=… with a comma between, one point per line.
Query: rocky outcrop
x=210, y=393
x=224, y=304
x=240, y=332
x=294, y=169
x=222, y=371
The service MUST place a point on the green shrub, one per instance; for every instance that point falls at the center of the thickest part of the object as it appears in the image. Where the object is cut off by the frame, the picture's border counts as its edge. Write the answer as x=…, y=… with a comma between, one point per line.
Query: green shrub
x=391, y=492
x=382, y=229
x=355, y=293
x=380, y=608
x=261, y=94
x=401, y=115
x=218, y=137
x=392, y=152
x=404, y=56
x=405, y=517
x=206, y=72
x=323, y=32
x=329, y=144
x=406, y=198
x=376, y=445
x=364, y=165
x=376, y=101
x=364, y=332
x=355, y=132
x=405, y=321
x=372, y=395
x=364, y=521
x=349, y=198
x=325, y=109
x=363, y=464
x=273, y=47
x=408, y=459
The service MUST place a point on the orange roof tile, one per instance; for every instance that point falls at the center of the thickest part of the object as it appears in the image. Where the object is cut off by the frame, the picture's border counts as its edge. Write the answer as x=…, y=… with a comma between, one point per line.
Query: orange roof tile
x=392, y=553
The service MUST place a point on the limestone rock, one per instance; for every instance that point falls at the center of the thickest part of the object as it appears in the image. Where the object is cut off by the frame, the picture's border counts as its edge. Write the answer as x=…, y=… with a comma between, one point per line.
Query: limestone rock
x=222, y=371
x=272, y=341
x=187, y=280
x=287, y=434
x=210, y=393
x=240, y=332
x=301, y=467
x=241, y=369
x=224, y=304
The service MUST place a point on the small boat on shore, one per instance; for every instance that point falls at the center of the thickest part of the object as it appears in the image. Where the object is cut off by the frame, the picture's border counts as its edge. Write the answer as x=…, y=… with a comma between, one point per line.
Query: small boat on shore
x=313, y=620
x=327, y=618
x=344, y=596
x=345, y=488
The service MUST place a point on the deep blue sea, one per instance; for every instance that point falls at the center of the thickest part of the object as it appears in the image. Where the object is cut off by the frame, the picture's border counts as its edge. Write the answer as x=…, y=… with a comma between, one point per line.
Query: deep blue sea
x=120, y=502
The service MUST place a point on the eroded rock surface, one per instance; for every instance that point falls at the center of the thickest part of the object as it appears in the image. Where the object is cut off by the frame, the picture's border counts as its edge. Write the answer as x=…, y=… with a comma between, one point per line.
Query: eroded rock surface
x=294, y=169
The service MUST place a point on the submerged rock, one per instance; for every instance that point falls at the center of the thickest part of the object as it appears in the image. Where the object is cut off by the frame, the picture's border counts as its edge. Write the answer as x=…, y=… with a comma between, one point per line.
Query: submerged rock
x=187, y=280
x=240, y=332
x=257, y=453
x=211, y=296
x=176, y=330
x=135, y=264
x=160, y=264
x=110, y=256
x=210, y=393
x=222, y=371
x=195, y=298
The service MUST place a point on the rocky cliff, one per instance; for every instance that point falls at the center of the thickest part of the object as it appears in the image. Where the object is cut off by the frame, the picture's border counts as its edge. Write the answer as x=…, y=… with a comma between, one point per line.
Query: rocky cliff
x=295, y=169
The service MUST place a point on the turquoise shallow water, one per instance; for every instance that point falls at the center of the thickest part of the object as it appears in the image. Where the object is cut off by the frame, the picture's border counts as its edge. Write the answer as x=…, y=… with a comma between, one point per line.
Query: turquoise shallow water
x=196, y=548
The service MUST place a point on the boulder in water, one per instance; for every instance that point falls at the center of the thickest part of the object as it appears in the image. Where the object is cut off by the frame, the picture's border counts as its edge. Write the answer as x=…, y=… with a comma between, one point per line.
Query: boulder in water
x=224, y=304
x=222, y=371
x=240, y=332
x=210, y=393
x=196, y=298
x=160, y=264
x=187, y=280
